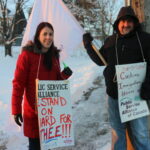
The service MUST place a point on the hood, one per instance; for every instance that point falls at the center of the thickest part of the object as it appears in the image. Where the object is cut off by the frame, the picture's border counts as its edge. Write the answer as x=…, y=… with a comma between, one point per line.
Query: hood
x=125, y=12
x=35, y=49
x=32, y=48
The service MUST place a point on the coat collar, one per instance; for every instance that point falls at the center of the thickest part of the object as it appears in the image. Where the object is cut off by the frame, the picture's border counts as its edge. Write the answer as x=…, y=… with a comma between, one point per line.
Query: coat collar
x=33, y=48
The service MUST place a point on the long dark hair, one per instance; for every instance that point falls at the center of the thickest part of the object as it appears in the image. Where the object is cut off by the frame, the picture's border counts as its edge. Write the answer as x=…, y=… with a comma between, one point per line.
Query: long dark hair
x=52, y=51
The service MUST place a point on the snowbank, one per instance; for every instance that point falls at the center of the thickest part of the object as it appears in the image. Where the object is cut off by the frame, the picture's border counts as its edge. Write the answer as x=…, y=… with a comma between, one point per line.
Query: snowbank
x=88, y=99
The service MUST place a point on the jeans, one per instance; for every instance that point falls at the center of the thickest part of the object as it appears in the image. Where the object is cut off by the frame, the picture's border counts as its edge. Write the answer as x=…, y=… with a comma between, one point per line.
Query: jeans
x=34, y=144
x=138, y=129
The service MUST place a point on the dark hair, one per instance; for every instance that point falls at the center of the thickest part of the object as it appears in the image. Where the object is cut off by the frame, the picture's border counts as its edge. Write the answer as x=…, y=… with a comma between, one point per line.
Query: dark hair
x=52, y=51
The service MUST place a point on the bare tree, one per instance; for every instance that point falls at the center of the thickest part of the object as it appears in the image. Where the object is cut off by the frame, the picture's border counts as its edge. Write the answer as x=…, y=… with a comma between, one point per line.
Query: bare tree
x=11, y=26
x=95, y=16
x=107, y=13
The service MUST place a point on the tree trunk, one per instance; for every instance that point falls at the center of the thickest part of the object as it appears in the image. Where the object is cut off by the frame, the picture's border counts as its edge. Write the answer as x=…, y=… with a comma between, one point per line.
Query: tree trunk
x=127, y=2
x=8, y=49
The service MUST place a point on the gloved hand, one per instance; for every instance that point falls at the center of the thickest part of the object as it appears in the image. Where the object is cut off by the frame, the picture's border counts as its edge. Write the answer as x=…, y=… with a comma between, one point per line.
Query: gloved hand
x=18, y=119
x=67, y=71
x=87, y=38
x=145, y=91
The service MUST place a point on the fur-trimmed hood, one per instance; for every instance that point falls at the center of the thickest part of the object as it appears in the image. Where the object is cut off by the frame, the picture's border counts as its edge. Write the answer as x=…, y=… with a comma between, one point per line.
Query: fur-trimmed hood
x=35, y=49
x=32, y=48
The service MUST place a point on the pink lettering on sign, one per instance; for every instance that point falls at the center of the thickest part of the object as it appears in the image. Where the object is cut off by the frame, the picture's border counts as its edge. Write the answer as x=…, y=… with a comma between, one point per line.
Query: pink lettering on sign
x=50, y=133
x=51, y=101
x=46, y=111
x=47, y=121
x=65, y=118
x=66, y=128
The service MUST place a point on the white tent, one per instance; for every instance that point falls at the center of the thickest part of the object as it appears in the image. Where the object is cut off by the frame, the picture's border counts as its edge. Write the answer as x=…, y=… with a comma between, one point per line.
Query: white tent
x=67, y=31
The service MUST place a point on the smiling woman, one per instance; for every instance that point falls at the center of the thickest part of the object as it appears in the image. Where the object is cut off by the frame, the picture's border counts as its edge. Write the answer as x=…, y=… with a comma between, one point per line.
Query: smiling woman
x=46, y=38
x=39, y=60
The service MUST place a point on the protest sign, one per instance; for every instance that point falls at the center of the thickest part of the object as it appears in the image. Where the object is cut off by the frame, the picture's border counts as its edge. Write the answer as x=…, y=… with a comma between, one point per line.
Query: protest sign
x=54, y=114
x=130, y=78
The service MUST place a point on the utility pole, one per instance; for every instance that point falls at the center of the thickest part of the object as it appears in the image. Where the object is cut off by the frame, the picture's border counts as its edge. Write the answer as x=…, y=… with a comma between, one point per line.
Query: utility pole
x=138, y=6
x=127, y=2
x=141, y=8
x=147, y=15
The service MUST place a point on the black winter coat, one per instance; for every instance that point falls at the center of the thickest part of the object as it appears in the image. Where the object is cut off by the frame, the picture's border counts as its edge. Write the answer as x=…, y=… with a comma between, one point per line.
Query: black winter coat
x=129, y=51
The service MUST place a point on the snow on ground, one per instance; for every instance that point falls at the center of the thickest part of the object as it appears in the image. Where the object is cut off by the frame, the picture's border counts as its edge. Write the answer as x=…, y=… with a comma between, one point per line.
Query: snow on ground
x=92, y=130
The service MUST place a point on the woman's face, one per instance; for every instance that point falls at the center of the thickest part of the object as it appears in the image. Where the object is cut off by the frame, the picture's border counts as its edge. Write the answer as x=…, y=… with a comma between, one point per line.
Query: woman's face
x=46, y=38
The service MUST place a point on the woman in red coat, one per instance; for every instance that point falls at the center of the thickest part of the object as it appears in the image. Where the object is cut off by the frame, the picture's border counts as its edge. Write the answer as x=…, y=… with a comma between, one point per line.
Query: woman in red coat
x=41, y=60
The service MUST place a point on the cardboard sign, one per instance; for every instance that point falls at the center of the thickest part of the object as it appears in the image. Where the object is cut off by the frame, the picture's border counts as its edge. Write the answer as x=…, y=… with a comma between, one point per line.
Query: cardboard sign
x=130, y=78
x=54, y=114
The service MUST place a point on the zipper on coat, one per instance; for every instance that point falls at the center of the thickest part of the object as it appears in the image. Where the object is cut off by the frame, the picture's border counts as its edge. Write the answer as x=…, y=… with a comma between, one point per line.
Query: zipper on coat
x=123, y=47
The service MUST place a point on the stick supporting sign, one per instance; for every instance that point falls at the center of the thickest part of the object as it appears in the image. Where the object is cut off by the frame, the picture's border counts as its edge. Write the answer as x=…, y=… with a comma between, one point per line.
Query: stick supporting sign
x=54, y=114
x=130, y=78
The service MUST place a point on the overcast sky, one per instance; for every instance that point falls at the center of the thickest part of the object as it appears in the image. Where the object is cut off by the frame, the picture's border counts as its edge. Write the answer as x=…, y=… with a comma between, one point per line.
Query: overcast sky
x=29, y=4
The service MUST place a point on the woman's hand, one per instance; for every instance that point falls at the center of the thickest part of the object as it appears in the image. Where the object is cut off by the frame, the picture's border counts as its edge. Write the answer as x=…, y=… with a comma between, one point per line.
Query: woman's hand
x=18, y=119
x=67, y=71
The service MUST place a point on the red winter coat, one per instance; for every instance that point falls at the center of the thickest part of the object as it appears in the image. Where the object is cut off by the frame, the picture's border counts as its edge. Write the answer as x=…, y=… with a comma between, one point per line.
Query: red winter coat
x=24, y=87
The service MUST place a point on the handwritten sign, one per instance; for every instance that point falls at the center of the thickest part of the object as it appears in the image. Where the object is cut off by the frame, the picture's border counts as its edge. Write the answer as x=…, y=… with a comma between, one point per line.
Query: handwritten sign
x=54, y=114
x=130, y=78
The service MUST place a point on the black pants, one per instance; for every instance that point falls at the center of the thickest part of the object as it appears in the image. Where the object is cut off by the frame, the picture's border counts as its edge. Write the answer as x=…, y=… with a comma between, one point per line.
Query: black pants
x=34, y=144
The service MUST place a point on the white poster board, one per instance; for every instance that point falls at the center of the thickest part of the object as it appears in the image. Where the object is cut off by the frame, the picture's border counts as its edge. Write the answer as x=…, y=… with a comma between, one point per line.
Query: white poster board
x=54, y=114
x=130, y=78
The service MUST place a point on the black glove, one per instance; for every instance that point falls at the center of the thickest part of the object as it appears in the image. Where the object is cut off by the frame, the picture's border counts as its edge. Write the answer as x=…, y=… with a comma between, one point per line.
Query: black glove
x=87, y=39
x=67, y=71
x=145, y=91
x=18, y=119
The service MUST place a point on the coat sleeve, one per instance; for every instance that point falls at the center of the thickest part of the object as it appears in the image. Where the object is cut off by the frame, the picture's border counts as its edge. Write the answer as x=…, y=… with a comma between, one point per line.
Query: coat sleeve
x=145, y=87
x=63, y=76
x=92, y=54
x=19, y=82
